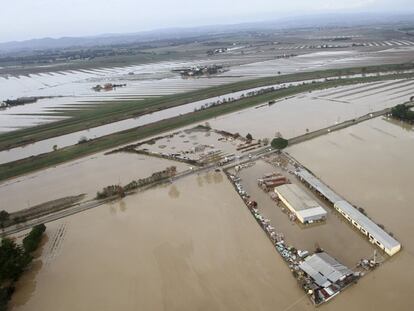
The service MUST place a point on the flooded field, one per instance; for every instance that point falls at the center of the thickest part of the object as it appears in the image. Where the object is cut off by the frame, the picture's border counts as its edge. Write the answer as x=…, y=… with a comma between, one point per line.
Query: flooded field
x=166, y=234
x=46, y=145
x=200, y=144
x=311, y=111
x=158, y=251
x=315, y=60
x=87, y=175
x=370, y=164
x=197, y=233
x=287, y=113
x=155, y=79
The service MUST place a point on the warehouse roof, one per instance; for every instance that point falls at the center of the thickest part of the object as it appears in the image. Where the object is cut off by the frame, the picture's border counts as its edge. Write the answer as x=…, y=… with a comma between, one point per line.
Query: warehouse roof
x=324, y=269
x=296, y=197
x=318, y=185
x=372, y=228
x=388, y=242
x=312, y=212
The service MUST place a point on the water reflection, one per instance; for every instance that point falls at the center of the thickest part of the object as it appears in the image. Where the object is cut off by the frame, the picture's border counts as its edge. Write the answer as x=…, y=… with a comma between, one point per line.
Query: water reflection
x=122, y=206
x=26, y=285
x=174, y=193
x=401, y=124
x=217, y=177
x=208, y=178
x=200, y=181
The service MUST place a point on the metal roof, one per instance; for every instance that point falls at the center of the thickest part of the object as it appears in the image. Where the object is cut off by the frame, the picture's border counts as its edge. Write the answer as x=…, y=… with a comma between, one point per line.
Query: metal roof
x=315, y=275
x=367, y=224
x=372, y=228
x=297, y=198
x=324, y=269
x=312, y=213
x=318, y=185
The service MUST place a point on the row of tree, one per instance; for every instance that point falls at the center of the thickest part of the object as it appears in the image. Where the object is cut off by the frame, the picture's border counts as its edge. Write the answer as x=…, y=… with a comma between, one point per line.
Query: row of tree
x=14, y=259
x=118, y=190
x=403, y=112
x=279, y=143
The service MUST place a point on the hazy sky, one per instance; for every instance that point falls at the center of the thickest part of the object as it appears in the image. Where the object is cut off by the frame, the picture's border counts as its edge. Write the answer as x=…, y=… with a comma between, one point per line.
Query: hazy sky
x=25, y=19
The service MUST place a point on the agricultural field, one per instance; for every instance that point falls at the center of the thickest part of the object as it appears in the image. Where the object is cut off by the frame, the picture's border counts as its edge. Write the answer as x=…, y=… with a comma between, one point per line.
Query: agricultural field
x=209, y=231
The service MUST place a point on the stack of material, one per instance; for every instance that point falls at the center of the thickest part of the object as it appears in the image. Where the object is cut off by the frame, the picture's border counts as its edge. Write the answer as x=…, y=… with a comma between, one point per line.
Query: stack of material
x=272, y=180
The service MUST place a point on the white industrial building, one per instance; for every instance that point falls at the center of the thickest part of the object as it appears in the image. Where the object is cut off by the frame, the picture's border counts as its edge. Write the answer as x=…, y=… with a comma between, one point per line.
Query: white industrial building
x=300, y=204
x=375, y=234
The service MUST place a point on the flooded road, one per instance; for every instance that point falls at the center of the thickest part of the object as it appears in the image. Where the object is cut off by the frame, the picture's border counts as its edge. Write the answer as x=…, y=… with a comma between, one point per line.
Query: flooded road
x=370, y=164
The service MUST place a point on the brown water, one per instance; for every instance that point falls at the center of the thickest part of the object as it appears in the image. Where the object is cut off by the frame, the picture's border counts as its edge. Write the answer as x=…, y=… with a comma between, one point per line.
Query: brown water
x=189, y=246
x=290, y=116
x=371, y=165
x=193, y=245
x=330, y=235
x=87, y=175
x=315, y=110
x=185, y=141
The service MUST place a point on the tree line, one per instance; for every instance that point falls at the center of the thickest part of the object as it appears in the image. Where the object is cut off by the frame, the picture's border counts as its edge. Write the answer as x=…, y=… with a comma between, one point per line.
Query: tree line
x=403, y=112
x=14, y=260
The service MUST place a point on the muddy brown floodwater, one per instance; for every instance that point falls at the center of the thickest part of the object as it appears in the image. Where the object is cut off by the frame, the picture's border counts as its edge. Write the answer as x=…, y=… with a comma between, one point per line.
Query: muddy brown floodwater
x=330, y=235
x=87, y=175
x=318, y=109
x=192, y=245
x=371, y=165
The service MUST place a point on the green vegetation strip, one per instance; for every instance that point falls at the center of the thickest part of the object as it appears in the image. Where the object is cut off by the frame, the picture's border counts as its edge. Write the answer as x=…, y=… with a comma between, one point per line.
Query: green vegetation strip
x=104, y=113
x=34, y=163
x=403, y=112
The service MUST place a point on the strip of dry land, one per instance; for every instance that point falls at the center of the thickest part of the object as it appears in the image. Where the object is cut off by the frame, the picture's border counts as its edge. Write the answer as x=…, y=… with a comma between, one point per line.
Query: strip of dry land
x=98, y=114
x=42, y=161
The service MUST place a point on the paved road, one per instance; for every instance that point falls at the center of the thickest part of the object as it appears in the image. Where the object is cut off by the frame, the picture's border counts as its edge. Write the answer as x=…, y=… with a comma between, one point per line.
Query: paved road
x=252, y=156
x=76, y=208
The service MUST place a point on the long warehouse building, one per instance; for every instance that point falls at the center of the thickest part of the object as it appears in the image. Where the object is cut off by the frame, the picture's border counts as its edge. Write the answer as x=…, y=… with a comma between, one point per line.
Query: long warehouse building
x=300, y=204
x=375, y=234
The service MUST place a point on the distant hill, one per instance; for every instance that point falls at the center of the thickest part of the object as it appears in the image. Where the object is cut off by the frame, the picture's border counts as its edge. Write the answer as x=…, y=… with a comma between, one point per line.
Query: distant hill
x=347, y=19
